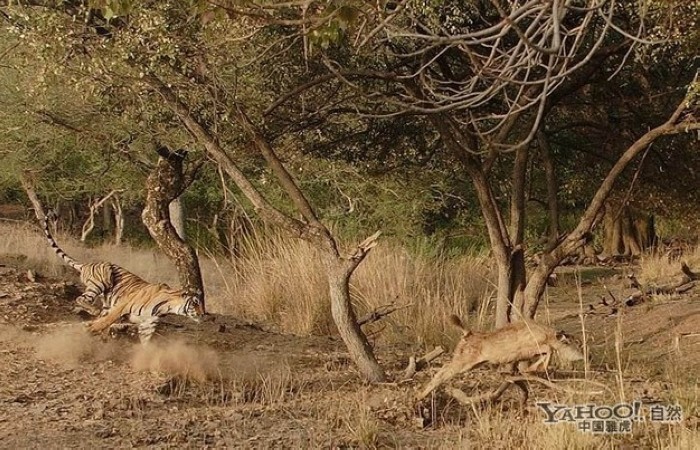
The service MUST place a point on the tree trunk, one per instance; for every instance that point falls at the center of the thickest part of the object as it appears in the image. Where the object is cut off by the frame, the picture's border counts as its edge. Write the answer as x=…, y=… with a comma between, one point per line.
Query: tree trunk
x=516, y=229
x=462, y=146
x=465, y=148
x=518, y=283
x=107, y=223
x=28, y=184
x=510, y=288
x=552, y=188
x=118, y=220
x=93, y=207
x=164, y=184
x=503, y=293
x=581, y=234
x=628, y=231
x=339, y=272
x=177, y=217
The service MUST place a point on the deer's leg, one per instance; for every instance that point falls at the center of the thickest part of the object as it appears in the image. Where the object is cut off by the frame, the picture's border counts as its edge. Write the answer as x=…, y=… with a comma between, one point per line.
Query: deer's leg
x=464, y=363
x=542, y=362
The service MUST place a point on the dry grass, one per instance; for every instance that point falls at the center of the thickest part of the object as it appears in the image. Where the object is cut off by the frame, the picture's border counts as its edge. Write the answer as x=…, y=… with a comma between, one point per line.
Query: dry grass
x=28, y=240
x=272, y=385
x=277, y=282
x=435, y=289
x=250, y=379
x=658, y=268
x=363, y=428
x=509, y=431
x=281, y=282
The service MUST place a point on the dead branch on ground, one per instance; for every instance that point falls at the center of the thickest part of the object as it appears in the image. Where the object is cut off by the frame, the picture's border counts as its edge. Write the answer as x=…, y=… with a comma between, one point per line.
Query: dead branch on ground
x=642, y=293
x=677, y=340
x=464, y=399
x=416, y=365
x=692, y=276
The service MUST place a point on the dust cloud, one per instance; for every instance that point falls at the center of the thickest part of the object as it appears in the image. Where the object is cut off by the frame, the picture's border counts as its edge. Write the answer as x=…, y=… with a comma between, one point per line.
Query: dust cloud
x=177, y=358
x=71, y=345
x=9, y=334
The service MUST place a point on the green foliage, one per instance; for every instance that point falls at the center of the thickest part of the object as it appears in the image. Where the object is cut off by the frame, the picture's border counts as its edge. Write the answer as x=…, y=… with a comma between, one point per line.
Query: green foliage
x=362, y=168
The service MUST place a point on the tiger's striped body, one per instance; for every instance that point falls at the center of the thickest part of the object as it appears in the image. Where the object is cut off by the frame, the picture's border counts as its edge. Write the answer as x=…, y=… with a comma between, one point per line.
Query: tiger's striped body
x=126, y=295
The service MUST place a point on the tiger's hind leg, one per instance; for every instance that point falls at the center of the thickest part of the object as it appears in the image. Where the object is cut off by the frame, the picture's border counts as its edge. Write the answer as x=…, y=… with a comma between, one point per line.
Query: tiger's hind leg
x=87, y=300
x=102, y=323
x=84, y=305
x=123, y=329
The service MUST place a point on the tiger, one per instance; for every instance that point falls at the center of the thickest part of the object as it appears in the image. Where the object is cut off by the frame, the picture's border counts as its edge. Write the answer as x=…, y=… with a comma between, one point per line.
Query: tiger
x=127, y=295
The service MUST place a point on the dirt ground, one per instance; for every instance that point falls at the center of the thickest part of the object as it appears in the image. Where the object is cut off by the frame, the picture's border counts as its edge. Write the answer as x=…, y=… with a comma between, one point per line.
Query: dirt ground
x=224, y=383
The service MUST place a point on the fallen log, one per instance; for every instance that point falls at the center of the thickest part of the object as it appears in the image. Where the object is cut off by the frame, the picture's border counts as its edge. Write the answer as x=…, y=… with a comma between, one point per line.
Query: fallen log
x=687, y=282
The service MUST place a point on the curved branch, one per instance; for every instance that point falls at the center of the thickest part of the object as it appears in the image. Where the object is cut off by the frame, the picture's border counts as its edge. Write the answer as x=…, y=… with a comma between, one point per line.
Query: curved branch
x=580, y=234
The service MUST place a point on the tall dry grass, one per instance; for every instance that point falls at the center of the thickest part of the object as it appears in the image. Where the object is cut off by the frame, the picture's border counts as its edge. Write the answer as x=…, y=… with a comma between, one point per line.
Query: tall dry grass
x=25, y=240
x=281, y=282
x=659, y=268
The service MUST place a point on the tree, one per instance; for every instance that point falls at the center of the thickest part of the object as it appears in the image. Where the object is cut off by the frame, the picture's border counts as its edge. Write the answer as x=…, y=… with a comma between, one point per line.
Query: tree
x=486, y=75
x=175, y=60
x=339, y=268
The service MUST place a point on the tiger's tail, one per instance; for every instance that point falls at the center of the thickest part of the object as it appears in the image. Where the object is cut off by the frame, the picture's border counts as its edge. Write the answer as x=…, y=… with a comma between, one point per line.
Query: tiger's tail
x=54, y=246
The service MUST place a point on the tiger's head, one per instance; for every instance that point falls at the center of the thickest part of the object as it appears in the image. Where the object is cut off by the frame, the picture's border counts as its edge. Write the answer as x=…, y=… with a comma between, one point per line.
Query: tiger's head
x=193, y=306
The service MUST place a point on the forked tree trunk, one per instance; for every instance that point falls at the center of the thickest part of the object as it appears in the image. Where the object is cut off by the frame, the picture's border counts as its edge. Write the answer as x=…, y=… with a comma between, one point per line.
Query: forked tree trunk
x=581, y=234
x=338, y=272
x=504, y=245
x=463, y=147
x=311, y=228
x=516, y=233
x=93, y=207
x=164, y=184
